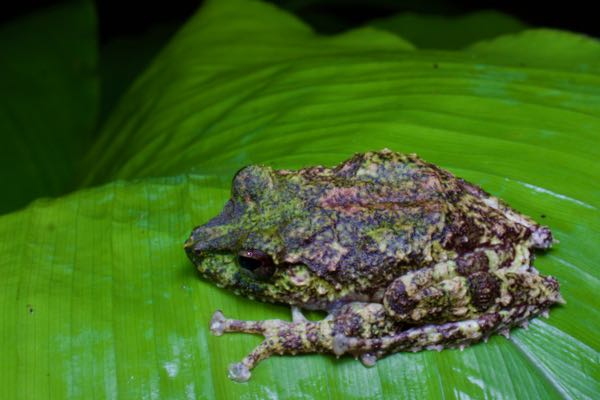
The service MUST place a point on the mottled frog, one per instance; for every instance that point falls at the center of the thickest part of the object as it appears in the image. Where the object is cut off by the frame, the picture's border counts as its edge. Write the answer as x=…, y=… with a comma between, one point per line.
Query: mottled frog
x=402, y=254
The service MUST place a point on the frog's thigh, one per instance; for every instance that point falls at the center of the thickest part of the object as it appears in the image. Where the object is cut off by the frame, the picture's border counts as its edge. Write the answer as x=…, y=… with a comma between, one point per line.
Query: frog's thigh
x=431, y=294
x=426, y=295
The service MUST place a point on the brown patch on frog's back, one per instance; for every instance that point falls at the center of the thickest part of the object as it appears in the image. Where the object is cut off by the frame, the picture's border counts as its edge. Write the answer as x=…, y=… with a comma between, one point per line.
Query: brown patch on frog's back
x=351, y=202
x=345, y=199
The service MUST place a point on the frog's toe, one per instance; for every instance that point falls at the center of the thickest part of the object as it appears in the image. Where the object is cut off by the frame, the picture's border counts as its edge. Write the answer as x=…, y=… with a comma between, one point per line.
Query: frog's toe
x=297, y=315
x=239, y=372
x=340, y=344
x=542, y=238
x=368, y=359
x=436, y=347
x=217, y=323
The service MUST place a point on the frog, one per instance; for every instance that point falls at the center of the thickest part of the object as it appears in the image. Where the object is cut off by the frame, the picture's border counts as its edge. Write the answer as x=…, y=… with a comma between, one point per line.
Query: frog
x=399, y=253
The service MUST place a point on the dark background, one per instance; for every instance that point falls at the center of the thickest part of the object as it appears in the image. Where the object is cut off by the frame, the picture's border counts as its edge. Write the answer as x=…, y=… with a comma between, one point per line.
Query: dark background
x=125, y=18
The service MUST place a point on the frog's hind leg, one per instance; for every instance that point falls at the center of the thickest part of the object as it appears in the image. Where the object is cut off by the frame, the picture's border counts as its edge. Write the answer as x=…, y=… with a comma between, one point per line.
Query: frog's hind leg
x=440, y=294
x=458, y=334
x=541, y=236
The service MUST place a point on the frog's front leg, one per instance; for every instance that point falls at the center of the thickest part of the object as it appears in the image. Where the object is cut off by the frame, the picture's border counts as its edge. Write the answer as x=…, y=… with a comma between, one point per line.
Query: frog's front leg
x=281, y=337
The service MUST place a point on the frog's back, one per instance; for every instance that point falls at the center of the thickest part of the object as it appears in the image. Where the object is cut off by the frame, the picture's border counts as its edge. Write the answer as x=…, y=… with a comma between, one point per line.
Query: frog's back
x=381, y=214
x=377, y=215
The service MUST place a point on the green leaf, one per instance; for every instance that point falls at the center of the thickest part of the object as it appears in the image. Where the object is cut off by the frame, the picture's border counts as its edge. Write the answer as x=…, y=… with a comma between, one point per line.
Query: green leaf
x=117, y=75
x=49, y=101
x=544, y=48
x=99, y=299
x=439, y=32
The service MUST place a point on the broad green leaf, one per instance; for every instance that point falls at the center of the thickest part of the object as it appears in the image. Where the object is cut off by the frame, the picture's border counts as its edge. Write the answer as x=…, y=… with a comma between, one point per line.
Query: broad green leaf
x=49, y=101
x=440, y=32
x=99, y=300
x=115, y=74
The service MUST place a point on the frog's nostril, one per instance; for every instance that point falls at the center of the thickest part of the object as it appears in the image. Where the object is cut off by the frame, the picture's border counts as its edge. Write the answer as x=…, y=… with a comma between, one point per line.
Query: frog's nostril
x=191, y=249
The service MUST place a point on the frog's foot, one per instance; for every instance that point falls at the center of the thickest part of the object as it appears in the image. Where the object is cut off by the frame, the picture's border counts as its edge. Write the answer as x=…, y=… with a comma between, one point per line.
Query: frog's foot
x=219, y=324
x=281, y=337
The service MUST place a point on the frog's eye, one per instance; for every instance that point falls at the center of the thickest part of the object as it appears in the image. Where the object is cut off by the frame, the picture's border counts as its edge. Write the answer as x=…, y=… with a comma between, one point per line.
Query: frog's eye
x=259, y=263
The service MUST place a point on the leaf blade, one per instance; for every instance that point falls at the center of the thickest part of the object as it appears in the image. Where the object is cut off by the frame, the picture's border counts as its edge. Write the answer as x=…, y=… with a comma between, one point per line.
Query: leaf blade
x=49, y=103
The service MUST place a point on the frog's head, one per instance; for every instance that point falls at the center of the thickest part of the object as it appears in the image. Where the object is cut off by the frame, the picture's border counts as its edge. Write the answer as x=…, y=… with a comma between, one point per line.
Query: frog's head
x=254, y=246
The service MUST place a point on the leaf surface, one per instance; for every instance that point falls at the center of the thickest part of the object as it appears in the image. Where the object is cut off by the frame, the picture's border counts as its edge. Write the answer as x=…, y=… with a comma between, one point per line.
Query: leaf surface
x=49, y=101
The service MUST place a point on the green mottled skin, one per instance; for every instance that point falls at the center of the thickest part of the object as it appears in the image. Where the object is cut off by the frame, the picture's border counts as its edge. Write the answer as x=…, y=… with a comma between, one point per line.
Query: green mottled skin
x=402, y=254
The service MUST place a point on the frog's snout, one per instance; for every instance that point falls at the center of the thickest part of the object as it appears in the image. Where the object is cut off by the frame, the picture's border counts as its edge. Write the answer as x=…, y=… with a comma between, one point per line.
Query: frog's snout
x=190, y=249
x=188, y=244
